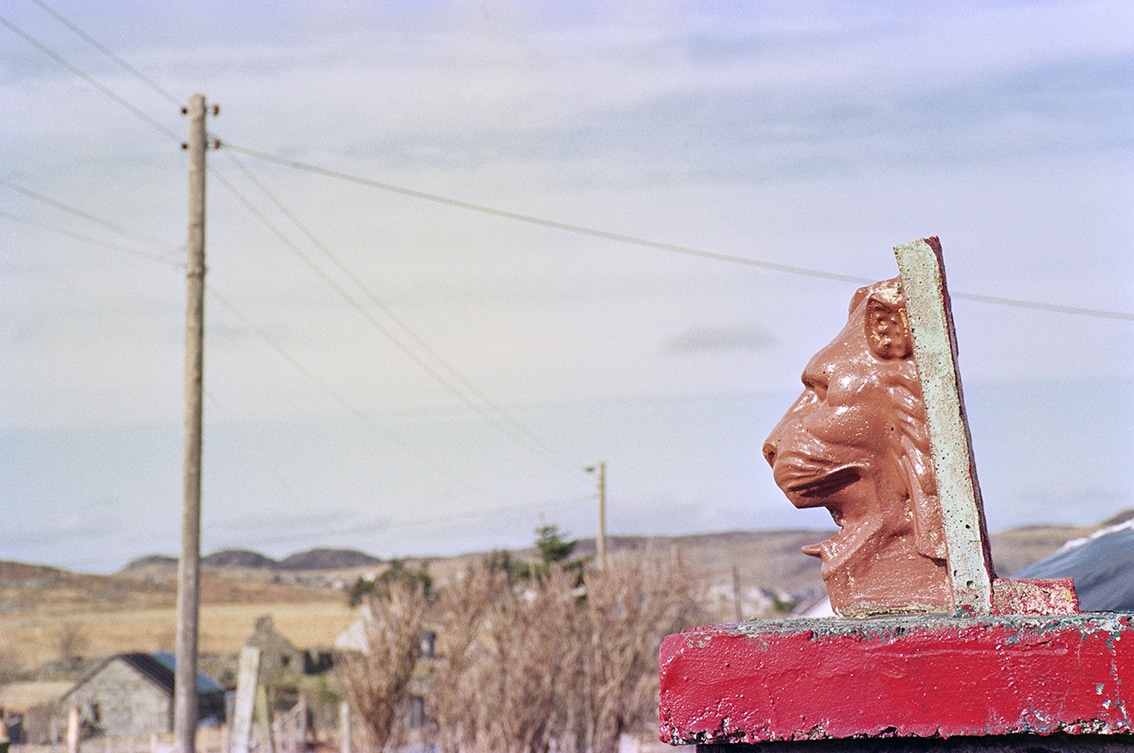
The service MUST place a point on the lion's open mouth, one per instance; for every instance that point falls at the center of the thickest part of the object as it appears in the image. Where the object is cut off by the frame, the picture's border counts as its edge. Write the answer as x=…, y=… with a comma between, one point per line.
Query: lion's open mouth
x=827, y=484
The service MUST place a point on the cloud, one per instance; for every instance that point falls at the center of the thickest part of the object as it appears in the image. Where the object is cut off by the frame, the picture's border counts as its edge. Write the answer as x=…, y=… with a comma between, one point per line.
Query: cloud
x=742, y=337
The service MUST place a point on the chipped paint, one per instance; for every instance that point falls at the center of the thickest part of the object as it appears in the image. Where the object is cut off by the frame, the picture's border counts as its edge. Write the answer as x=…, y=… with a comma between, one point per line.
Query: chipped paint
x=897, y=676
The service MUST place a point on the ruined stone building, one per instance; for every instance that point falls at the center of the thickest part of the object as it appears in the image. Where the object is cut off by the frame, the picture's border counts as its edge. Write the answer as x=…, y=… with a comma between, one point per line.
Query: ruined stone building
x=132, y=694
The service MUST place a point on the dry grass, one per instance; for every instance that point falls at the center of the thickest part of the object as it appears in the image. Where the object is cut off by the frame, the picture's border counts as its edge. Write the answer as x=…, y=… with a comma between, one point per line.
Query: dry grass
x=24, y=695
x=48, y=614
x=223, y=628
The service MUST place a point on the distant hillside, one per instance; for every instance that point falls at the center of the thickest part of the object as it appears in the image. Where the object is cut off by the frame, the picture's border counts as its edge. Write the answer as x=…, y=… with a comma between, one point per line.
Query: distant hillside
x=156, y=565
x=239, y=558
x=766, y=559
x=328, y=559
x=151, y=561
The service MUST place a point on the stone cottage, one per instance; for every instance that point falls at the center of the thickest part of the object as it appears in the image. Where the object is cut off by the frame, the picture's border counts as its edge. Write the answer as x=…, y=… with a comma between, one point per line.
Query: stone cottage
x=132, y=694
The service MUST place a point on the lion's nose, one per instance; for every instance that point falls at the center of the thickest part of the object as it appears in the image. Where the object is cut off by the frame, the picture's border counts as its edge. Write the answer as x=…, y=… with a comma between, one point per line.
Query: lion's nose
x=771, y=447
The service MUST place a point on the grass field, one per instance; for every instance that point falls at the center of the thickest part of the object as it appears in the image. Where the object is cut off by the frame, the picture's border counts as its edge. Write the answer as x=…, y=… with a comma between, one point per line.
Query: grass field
x=48, y=614
x=223, y=629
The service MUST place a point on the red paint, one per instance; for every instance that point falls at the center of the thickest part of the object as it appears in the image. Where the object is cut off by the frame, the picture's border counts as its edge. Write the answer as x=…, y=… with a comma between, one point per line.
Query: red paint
x=921, y=677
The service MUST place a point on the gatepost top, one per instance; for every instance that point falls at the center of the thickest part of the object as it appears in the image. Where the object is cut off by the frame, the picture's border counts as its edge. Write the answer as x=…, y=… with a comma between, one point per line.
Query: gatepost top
x=880, y=438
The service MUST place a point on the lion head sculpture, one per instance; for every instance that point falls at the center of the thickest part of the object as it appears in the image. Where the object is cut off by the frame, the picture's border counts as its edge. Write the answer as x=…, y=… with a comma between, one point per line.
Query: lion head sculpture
x=856, y=443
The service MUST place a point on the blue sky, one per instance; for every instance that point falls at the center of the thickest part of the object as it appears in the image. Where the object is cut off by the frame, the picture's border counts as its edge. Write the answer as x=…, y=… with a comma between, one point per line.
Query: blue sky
x=813, y=135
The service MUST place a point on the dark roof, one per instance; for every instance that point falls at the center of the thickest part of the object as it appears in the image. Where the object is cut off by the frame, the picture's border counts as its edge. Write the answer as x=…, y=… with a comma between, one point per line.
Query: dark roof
x=1101, y=566
x=159, y=668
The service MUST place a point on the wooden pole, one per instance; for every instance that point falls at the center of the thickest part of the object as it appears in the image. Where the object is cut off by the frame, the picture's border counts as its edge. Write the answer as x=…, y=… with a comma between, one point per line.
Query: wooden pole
x=344, y=728
x=189, y=565
x=73, y=729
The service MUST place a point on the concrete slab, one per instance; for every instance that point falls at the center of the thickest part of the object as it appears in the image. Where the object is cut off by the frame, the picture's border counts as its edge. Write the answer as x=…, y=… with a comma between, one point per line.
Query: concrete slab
x=885, y=677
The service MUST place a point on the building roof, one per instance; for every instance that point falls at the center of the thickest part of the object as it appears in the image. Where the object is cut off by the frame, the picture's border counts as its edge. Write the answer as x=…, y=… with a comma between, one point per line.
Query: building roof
x=159, y=668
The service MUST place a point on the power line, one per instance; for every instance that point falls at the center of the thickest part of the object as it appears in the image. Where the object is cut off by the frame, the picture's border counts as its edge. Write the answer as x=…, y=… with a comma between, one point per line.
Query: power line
x=431, y=521
x=519, y=217
x=349, y=406
x=89, y=239
x=90, y=217
x=537, y=444
x=632, y=240
x=543, y=222
x=1100, y=313
x=109, y=53
x=224, y=302
x=89, y=79
x=323, y=532
x=428, y=368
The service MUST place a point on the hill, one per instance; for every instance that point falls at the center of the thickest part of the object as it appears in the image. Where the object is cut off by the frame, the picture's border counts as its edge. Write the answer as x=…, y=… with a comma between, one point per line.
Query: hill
x=239, y=558
x=328, y=559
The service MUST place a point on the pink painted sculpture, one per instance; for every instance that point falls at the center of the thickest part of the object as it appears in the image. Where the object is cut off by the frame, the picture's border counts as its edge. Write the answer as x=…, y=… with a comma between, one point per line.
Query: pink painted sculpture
x=856, y=443
x=880, y=438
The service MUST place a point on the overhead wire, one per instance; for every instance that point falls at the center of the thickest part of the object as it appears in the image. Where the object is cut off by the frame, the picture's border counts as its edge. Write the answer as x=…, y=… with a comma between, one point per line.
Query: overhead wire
x=342, y=401
x=88, y=239
x=141, y=114
x=529, y=439
x=470, y=206
x=109, y=53
x=530, y=219
x=430, y=521
x=211, y=290
x=384, y=330
x=173, y=248
x=137, y=111
x=643, y=242
x=494, y=413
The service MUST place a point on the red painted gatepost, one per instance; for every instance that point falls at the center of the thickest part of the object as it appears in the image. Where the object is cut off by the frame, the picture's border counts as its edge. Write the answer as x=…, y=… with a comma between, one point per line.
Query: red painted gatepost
x=929, y=650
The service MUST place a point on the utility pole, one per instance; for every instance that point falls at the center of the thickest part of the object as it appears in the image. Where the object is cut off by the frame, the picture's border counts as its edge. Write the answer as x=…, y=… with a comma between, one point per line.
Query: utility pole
x=189, y=565
x=600, y=540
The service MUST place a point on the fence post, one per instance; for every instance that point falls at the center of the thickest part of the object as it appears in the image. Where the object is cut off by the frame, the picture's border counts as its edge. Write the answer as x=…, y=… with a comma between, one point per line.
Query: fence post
x=344, y=727
x=73, y=730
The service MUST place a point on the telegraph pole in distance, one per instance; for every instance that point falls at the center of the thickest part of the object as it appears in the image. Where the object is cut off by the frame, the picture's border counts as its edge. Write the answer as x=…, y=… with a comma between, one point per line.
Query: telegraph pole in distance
x=189, y=564
x=600, y=540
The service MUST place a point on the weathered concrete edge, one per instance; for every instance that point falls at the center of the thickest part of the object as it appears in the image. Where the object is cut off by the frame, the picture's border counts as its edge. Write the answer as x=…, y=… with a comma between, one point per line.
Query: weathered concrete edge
x=930, y=320
x=988, y=744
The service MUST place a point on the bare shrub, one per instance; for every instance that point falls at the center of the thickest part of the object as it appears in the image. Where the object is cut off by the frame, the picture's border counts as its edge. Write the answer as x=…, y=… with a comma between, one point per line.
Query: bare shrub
x=631, y=604
x=461, y=612
x=501, y=685
x=522, y=663
x=375, y=680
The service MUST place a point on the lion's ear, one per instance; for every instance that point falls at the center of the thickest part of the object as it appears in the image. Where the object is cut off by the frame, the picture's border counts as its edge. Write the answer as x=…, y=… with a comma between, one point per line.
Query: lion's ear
x=887, y=331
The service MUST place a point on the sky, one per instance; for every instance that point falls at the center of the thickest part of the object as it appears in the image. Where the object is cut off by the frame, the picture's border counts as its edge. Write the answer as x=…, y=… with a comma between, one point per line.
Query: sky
x=460, y=252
